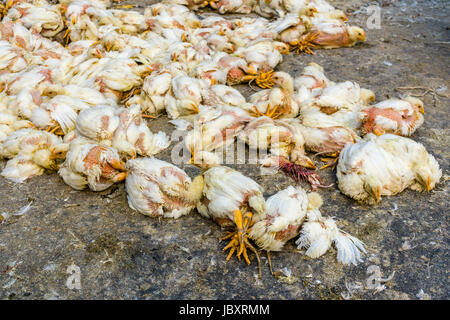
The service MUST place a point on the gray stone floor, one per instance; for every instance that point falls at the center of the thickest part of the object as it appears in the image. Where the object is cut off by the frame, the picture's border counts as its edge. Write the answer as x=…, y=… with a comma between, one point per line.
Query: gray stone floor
x=122, y=254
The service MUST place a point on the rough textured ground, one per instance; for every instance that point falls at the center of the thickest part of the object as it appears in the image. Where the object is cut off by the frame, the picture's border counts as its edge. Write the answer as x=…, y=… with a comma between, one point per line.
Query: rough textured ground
x=125, y=255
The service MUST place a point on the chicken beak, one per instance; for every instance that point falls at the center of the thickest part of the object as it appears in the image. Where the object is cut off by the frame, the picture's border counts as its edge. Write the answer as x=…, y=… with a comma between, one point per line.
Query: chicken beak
x=428, y=184
x=377, y=194
x=306, y=163
x=195, y=108
x=121, y=176
x=251, y=70
x=213, y=81
x=421, y=110
x=363, y=37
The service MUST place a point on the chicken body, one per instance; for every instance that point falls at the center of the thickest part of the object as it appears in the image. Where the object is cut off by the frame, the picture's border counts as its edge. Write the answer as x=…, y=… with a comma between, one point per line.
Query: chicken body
x=31, y=152
x=395, y=116
x=158, y=188
x=384, y=166
x=89, y=164
x=122, y=128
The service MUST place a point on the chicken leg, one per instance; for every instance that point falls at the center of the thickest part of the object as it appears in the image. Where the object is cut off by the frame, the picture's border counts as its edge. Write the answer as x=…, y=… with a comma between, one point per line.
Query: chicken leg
x=304, y=44
x=239, y=239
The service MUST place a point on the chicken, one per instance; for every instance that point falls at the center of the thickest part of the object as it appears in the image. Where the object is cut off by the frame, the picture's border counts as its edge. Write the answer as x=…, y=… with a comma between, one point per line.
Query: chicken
x=154, y=90
x=232, y=199
x=344, y=95
x=319, y=233
x=314, y=8
x=59, y=112
x=277, y=102
x=327, y=140
x=395, y=116
x=328, y=34
x=263, y=55
x=285, y=212
x=313, y=80
x=89, y=164
x=122, y=128
x=235, y=6
x=157, y=188
x=31, y=152
x=98, y=123
x=43, y=18
x=384, y=166
x=222, y=95
x=279, y=137
x=186, y=96
x=215, y=128
x=10, y=123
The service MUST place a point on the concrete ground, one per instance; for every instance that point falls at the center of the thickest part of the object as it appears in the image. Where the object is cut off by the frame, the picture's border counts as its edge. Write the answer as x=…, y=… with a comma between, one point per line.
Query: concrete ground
x=121, y=254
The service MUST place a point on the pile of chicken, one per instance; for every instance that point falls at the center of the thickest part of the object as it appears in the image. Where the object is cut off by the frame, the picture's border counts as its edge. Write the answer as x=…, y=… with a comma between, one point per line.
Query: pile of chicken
x=78, y=80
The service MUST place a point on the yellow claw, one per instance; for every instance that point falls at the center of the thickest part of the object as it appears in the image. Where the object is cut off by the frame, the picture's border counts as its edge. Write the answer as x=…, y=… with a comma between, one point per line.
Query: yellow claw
x=269, y=112
x=305, y=44
x=125, y=6
x=330, y=161
x=54, y=129
x=265, y=80
x=238, y=219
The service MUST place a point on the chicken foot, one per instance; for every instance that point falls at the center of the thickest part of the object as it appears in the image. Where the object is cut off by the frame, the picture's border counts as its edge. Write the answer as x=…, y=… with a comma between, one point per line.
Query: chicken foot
x=239, y=239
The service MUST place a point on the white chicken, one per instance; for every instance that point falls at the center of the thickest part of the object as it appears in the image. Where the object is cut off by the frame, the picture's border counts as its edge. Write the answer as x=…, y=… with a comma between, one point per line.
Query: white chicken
x=232, y=199
x=89, y=164
x=327, y=33
x=159, y=189
x=285, y=212
x=395, y=116
x=384, y=166
x=43, y=18
x=187, y=96
x=280, y=137
x=32, y=151
x=122, y=128
x=215, y=128
x=277, y=102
